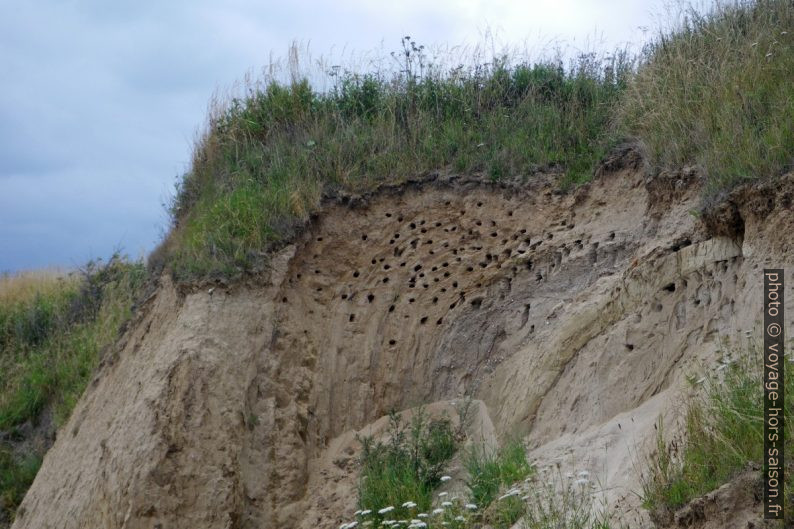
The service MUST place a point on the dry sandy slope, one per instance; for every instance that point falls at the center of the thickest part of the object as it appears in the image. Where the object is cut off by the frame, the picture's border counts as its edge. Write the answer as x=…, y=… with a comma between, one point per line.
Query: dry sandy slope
x=573, y=318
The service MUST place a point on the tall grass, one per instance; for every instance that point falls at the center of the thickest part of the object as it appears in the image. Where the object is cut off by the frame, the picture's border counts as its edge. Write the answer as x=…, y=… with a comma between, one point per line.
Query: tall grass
x=723, y=433
x=266, y=157
x=715, y=91
x=407, y=467
x=53, y=329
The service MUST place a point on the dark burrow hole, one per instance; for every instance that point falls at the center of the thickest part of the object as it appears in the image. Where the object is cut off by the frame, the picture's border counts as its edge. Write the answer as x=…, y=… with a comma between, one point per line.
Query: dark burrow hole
x=356, y=273
x=411, y=300
x=388, y=214
x=439, y=321
x=344, y=296
x=630, y=346
x=670, y=287
x=413, y=225
x=476, y=303
x=391, y=308
x=364, y=237
x=385, y=279
x=392, y=342
x=352, y=317
x=319, y=239
x=370, y=297
x=423, y=320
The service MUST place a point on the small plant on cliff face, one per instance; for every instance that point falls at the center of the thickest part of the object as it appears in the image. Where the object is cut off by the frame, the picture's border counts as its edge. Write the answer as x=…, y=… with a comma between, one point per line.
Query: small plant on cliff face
x=403, y=471
x=723, y=433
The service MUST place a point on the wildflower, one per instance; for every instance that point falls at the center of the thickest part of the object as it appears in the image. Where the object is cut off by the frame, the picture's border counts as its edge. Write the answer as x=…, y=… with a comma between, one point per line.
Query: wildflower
x=509, y=493
x=422, y=515
x=386, y=509
x=445, y=478
x=721, y=367
x=581, y=482
x=768, y=55
x=784, y=32
x=357, y=512
x=366, y=512
x=442, y=494
x=438, y=511
x=754, y=44
x=446, y=504
x=701, y=380
x=525, y=497
x=583, y=474
x=409, y=504
x=460, y=519
x=471, y=506
x=389, y=522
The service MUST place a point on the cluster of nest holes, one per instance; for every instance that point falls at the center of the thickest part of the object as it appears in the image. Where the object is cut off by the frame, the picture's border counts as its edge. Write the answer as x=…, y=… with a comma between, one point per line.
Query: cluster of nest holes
x=466, y=250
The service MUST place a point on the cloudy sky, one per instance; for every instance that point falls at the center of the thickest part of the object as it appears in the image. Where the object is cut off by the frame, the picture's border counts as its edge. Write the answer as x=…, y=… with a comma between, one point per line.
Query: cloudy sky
x=100, y=101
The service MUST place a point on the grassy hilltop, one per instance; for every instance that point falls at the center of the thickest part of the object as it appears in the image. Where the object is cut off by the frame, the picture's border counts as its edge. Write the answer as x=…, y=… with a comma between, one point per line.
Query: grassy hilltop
x=715, y=92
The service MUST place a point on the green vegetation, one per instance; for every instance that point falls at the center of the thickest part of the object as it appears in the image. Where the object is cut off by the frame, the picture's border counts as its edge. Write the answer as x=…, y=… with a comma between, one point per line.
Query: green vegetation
x=502, y=486
x=266, y=158
x=408, y=467
x=713, y=91
x=490, y=472
x=53, y=329
x=722, y=435
x=716, y=92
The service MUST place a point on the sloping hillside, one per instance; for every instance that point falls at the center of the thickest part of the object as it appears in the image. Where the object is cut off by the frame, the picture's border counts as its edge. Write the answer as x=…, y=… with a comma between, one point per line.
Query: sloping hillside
x=574, y=318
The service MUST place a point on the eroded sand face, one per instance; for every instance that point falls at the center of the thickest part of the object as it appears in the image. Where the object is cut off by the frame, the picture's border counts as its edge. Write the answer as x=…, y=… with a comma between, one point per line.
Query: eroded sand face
x=572, y=319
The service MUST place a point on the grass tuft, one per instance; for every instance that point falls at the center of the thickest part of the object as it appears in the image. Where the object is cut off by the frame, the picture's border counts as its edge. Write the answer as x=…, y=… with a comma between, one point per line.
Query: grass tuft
x=723, y=434
x=407, y=467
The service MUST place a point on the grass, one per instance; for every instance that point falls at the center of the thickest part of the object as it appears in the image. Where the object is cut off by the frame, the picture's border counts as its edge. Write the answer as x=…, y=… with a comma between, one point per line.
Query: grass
x=490, y=472
x=407, y=468
x=267, y=157
x=503, y=488
x=715, y=92
x=723, y=433
x=53, y=329
x=712, y=91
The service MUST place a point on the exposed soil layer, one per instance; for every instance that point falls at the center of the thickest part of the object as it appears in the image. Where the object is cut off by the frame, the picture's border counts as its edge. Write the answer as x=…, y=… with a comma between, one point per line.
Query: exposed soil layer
x=572, y=318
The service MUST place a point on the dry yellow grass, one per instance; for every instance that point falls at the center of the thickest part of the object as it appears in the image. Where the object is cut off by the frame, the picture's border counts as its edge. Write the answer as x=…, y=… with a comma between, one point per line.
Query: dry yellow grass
x=22, y=286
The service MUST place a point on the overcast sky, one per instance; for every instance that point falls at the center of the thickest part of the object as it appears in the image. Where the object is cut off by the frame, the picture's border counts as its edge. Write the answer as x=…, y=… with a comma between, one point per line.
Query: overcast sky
x=100, y=100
